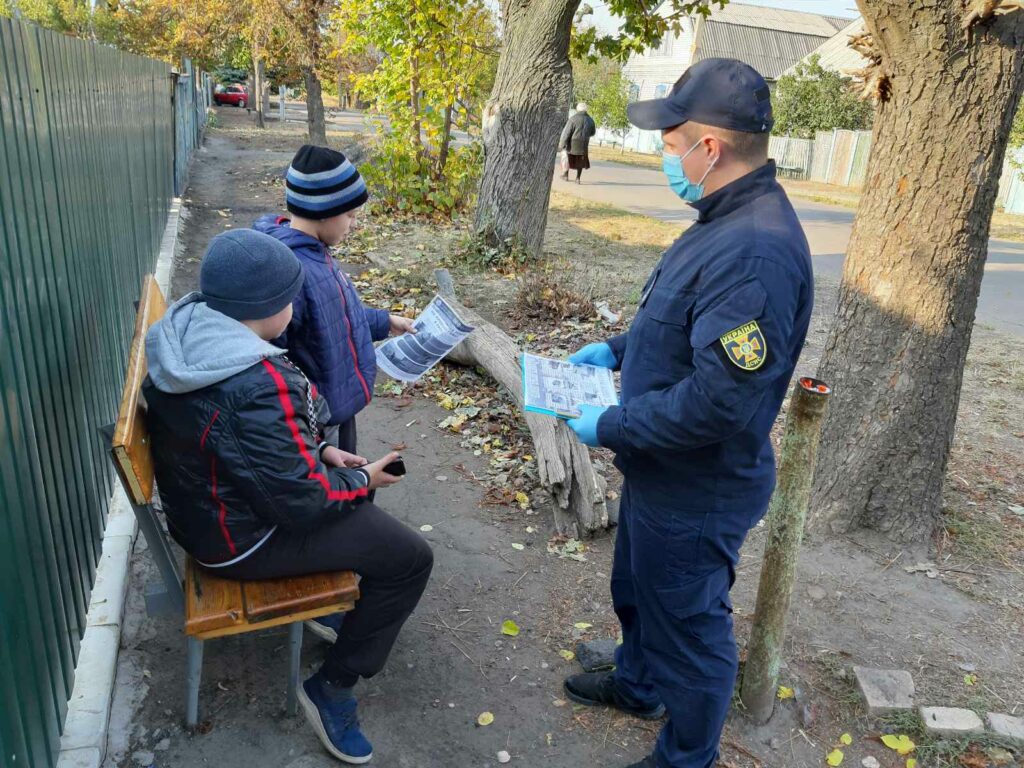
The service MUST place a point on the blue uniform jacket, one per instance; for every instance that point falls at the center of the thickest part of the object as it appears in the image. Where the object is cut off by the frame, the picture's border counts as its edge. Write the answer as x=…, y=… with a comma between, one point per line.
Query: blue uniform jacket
x=709, y=356
x=331, y=334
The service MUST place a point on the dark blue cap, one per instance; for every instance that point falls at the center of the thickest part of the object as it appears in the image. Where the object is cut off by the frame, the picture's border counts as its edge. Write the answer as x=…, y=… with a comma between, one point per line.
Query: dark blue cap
x=248, y=275
x=725, y=93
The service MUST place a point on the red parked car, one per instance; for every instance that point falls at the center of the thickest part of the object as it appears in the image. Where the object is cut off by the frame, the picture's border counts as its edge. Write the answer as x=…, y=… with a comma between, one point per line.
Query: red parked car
x=235, y=95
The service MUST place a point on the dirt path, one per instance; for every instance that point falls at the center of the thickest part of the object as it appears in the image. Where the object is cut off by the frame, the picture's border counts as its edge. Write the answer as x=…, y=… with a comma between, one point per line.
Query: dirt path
x=854, y=602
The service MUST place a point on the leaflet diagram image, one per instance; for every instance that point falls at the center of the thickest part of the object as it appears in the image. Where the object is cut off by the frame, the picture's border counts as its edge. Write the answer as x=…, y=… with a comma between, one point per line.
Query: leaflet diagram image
x=558, y=388
x=438, y=331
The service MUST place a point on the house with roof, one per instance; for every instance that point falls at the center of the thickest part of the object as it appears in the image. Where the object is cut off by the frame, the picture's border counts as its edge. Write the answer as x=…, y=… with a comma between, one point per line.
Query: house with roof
x=769, y=39
x=836, y=54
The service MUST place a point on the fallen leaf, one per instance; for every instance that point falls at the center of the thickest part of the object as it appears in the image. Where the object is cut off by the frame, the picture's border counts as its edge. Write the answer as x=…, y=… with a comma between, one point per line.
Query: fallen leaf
x=835, y=757
x=901, y=744
x=582, y=625
x=928, y=569
x=523, y=499
x=786, y=693
x=559, y=702
x=567, y=655
x=399, y=447
x=911, y=762
x=518, y=547
x=427, y=528
x=510, y=628
x=970, y=679
x=486, y=718
x=530, y=529
x=846, y=739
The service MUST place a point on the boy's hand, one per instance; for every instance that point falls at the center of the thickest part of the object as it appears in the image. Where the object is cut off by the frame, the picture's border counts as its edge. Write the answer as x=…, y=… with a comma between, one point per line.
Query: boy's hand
x=335, y=457
x=378, y=477
x=400, y=325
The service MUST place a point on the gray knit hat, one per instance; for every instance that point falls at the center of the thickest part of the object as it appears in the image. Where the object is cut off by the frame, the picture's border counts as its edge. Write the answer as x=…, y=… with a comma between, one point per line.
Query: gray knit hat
x=248, y=275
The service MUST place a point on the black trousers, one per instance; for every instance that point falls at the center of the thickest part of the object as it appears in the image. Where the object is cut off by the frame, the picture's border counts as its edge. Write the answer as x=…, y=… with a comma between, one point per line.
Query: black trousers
x=342, y=435
x=392, y=560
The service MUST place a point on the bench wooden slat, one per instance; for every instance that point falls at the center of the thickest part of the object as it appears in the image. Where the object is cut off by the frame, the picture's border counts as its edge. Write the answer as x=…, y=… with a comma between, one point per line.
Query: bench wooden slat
x=211, y=603
x=267, y=600
x=130, y=445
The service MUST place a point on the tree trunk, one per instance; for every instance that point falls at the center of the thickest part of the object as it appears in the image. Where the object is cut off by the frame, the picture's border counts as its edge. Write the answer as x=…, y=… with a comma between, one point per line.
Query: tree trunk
x=258, y=92
x=522, y=121
x=563, y=462
x=896, y=352
x=314, y=108
x=446, y=140
x=416, y=131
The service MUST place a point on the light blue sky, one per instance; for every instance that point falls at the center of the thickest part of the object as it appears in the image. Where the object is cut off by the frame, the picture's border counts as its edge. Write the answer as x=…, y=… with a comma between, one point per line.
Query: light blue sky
x=606, y=23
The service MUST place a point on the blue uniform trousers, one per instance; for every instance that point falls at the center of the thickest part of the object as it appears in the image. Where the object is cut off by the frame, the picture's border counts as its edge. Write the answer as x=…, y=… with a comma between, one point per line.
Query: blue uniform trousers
x=670, y=588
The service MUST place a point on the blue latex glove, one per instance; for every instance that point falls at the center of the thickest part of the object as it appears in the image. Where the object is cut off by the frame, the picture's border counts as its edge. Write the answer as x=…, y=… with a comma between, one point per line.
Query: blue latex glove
x=599, y=354
x=585, y=426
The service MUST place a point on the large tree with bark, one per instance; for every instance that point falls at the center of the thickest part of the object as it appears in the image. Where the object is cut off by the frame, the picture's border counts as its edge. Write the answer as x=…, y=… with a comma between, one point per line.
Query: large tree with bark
x=947, y=77
x=529, y=103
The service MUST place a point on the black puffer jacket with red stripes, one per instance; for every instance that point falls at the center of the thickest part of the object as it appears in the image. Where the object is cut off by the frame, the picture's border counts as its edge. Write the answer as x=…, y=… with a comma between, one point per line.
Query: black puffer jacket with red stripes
x=237, y=457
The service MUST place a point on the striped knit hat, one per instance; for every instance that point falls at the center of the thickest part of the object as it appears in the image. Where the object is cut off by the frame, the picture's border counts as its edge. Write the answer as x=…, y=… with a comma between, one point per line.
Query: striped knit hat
x=321, y=183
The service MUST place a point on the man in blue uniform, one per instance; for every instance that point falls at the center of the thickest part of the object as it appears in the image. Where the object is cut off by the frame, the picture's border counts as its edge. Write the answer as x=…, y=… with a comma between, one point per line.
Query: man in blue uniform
x=705, y=367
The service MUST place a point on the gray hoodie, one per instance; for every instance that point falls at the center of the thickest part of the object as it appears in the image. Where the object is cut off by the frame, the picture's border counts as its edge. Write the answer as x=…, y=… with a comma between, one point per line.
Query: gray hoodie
x=193, y=346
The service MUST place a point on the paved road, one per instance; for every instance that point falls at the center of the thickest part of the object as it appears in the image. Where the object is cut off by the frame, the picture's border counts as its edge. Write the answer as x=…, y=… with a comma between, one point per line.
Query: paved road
x=643, y=190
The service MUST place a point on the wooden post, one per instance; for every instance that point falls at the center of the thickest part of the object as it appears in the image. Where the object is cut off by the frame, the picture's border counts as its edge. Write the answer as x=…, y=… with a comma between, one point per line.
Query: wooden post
x=786, y=516
x=563, y=462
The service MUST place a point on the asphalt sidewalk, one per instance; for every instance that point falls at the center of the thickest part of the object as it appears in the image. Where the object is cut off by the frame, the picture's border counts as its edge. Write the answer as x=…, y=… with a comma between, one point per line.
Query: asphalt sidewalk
x=644, y=190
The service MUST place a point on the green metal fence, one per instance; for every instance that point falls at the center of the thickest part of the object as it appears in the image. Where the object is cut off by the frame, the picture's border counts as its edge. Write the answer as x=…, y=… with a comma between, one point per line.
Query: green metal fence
x=86, y=176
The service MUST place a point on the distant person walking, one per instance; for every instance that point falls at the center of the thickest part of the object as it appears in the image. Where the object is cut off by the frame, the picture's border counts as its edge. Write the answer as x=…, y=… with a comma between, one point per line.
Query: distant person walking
x=575, y=141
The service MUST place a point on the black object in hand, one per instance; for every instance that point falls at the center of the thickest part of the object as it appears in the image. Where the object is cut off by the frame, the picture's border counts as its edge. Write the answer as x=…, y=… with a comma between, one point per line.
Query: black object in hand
x=396, y=468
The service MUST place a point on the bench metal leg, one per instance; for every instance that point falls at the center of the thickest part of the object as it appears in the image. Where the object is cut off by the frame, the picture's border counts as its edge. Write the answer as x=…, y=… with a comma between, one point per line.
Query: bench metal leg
x=162, y=554
x=294, y=665
x=194, y=677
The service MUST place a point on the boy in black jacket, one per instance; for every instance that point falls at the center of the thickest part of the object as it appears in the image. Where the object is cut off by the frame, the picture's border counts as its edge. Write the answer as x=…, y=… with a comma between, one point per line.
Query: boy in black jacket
x=249, y=487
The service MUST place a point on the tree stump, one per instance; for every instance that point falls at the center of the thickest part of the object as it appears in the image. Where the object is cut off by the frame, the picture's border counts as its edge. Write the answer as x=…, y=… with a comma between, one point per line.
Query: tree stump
x=563, y=462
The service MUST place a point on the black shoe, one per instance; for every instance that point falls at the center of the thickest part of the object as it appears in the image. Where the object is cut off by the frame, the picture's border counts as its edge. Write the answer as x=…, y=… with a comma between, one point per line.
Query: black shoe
x=647, y=762
x=598, y=689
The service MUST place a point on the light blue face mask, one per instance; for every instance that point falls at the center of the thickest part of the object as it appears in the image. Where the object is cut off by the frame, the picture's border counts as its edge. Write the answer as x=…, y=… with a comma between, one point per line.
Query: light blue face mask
x=681, y=185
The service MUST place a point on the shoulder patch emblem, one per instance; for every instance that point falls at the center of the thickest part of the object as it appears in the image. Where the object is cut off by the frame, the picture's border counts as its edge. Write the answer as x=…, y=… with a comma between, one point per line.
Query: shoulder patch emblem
x=745, y=346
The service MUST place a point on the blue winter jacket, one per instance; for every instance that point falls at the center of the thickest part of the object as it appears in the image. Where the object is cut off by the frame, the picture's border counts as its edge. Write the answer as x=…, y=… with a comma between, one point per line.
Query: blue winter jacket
x=331, y=334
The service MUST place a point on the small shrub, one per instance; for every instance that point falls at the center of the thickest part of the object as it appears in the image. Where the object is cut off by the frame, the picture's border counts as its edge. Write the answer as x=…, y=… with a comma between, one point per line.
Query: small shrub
x=547, y=296
x=404, y=183
x=481, y=250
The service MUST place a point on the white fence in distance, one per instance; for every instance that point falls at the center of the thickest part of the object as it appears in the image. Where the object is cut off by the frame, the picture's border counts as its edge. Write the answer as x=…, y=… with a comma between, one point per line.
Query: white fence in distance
x=833, y=157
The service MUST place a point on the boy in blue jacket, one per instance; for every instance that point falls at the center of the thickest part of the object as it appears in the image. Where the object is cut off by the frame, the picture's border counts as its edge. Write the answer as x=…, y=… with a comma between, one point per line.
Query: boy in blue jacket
x=331, y=334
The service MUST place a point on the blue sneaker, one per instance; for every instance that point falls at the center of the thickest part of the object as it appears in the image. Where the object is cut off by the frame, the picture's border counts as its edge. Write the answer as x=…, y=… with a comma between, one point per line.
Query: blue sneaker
x=337, y=724
x=327, y=627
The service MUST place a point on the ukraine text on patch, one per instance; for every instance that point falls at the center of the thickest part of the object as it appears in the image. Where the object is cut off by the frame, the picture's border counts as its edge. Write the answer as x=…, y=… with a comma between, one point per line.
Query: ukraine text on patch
x=745, y=346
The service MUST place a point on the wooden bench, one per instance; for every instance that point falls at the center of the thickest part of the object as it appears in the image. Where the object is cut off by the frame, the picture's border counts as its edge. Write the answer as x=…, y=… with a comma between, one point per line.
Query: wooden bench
x=213, y=606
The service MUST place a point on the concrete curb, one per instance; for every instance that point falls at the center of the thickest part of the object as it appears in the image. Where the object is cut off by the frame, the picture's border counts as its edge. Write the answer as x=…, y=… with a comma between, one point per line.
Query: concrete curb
x=83, y=743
